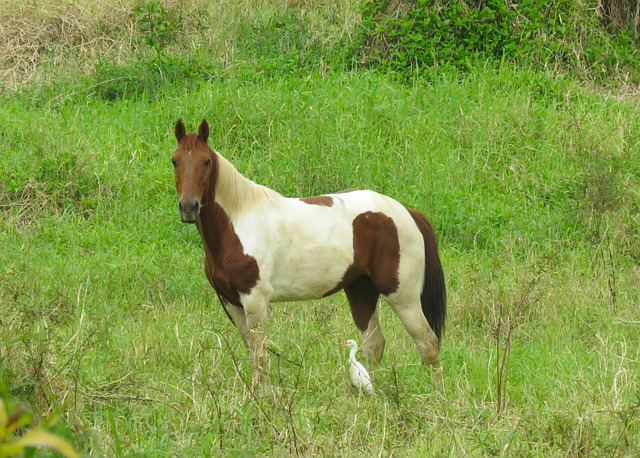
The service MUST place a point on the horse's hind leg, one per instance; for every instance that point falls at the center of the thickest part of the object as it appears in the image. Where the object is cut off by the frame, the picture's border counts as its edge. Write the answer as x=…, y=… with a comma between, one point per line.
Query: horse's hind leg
x=373, y=340
x=414, y=321
x=363, y=298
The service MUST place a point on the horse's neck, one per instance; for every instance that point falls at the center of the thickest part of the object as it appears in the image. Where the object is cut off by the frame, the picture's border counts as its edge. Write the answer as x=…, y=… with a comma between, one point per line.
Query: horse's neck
x=212, y=223
x=235, y=193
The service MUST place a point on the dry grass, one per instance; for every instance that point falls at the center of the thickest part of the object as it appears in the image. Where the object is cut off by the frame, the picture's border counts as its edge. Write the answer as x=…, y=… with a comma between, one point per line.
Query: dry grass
x=45, y=40
x=623, y=13
x=49, y=37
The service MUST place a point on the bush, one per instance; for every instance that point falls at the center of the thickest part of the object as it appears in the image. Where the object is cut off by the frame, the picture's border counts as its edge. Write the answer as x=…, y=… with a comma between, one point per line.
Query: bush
x=563, y=35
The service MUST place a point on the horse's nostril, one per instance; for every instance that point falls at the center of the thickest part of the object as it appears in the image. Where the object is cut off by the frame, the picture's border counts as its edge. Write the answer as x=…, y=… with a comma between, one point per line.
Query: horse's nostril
x=190, y=207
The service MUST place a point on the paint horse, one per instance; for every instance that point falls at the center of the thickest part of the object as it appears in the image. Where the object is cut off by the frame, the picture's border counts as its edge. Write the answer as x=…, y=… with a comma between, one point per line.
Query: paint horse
x=261, y=247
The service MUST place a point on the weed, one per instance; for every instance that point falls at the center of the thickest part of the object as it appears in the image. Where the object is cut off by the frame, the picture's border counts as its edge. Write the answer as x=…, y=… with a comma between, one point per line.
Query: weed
x=158, y=26
x=60, y=185
x=509, y=317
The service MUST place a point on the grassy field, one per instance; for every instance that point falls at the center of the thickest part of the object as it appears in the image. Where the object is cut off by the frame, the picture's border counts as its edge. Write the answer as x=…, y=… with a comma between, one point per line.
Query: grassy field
x=532, y=182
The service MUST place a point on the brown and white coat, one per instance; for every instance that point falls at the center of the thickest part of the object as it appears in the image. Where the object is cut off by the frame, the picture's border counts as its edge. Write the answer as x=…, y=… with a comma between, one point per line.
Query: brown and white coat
x=262, y=247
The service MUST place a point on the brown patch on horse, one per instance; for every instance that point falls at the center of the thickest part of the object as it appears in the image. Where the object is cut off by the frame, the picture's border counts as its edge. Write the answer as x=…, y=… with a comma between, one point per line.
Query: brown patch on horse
x=377, y=250
x=229, y=270
x=324, y=201
x=374, y=271
x=363, y=299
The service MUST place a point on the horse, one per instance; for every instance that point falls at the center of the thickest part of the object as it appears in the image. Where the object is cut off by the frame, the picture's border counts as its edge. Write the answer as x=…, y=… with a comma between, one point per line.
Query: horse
x=261, y=247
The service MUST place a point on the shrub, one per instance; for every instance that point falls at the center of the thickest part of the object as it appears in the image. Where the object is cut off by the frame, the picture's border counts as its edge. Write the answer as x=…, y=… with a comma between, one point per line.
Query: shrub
x=563, y=35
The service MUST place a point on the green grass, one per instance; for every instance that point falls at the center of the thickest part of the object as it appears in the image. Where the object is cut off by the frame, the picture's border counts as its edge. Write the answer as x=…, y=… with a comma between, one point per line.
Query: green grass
x=532, y=182
x=120, y=332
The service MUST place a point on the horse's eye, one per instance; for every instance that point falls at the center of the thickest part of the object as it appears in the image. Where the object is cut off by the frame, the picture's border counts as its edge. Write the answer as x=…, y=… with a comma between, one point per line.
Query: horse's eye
x=207, y=163
x=174, y=162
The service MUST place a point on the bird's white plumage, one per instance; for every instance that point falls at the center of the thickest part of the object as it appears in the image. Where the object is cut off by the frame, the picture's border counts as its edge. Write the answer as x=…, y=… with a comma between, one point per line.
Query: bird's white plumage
x=359, y=375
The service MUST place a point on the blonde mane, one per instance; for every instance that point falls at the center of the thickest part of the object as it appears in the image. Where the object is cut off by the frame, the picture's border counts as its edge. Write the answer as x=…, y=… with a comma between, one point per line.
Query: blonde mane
x=234, y=192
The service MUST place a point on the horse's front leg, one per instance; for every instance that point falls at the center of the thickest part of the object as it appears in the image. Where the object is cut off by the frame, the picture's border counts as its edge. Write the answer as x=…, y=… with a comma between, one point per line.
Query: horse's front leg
x=255, y=310
x=237, y=316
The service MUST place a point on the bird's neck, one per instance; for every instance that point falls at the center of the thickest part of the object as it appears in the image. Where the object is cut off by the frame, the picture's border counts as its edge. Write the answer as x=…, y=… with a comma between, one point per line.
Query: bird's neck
x=352, y=354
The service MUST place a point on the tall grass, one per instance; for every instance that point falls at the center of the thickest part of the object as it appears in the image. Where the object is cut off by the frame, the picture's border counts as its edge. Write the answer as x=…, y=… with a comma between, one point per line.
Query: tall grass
x=117, y=328
x=530, y=179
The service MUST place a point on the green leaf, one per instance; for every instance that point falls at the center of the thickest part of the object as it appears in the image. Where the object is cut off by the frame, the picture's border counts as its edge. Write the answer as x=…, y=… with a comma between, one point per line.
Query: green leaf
x=39, y=438
x=6, y=343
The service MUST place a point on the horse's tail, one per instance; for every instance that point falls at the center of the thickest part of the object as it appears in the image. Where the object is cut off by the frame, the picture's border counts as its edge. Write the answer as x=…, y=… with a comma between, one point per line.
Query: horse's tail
x=434, y=293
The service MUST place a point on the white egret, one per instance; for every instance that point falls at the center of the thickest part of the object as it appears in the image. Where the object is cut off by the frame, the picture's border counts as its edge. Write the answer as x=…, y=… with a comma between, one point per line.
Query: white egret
x=359, y=375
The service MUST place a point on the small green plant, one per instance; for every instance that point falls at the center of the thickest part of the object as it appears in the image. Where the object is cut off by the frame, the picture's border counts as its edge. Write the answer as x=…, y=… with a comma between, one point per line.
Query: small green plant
x=15, y=441
x=508, y=319
x=158, y=26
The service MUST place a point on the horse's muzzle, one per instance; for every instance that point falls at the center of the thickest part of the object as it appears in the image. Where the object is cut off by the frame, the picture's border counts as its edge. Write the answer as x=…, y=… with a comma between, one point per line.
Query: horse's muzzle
x=189, y=211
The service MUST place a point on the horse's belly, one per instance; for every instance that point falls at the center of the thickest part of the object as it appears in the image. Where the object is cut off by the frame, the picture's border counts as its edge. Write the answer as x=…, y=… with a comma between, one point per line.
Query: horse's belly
x=302, y=255
x=308, y=277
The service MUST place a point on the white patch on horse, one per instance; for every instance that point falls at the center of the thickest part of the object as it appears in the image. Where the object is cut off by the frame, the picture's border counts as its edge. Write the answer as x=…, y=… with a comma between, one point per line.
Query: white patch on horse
x=323, y=241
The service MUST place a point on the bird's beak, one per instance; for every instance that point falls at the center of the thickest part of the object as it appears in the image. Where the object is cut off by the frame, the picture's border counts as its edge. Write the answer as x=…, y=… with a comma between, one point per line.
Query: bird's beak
x=344, y=343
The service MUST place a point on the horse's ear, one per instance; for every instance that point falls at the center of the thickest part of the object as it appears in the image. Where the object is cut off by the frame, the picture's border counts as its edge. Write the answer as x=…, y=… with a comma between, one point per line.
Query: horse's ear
x=203, y=131
x=180, y=130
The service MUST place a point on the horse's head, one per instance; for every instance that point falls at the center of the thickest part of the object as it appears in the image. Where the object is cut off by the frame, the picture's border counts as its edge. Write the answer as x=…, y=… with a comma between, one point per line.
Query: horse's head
x=193, y=163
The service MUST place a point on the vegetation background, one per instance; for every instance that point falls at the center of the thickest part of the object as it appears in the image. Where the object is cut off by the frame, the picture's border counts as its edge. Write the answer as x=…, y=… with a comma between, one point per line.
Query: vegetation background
x=514, y=126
